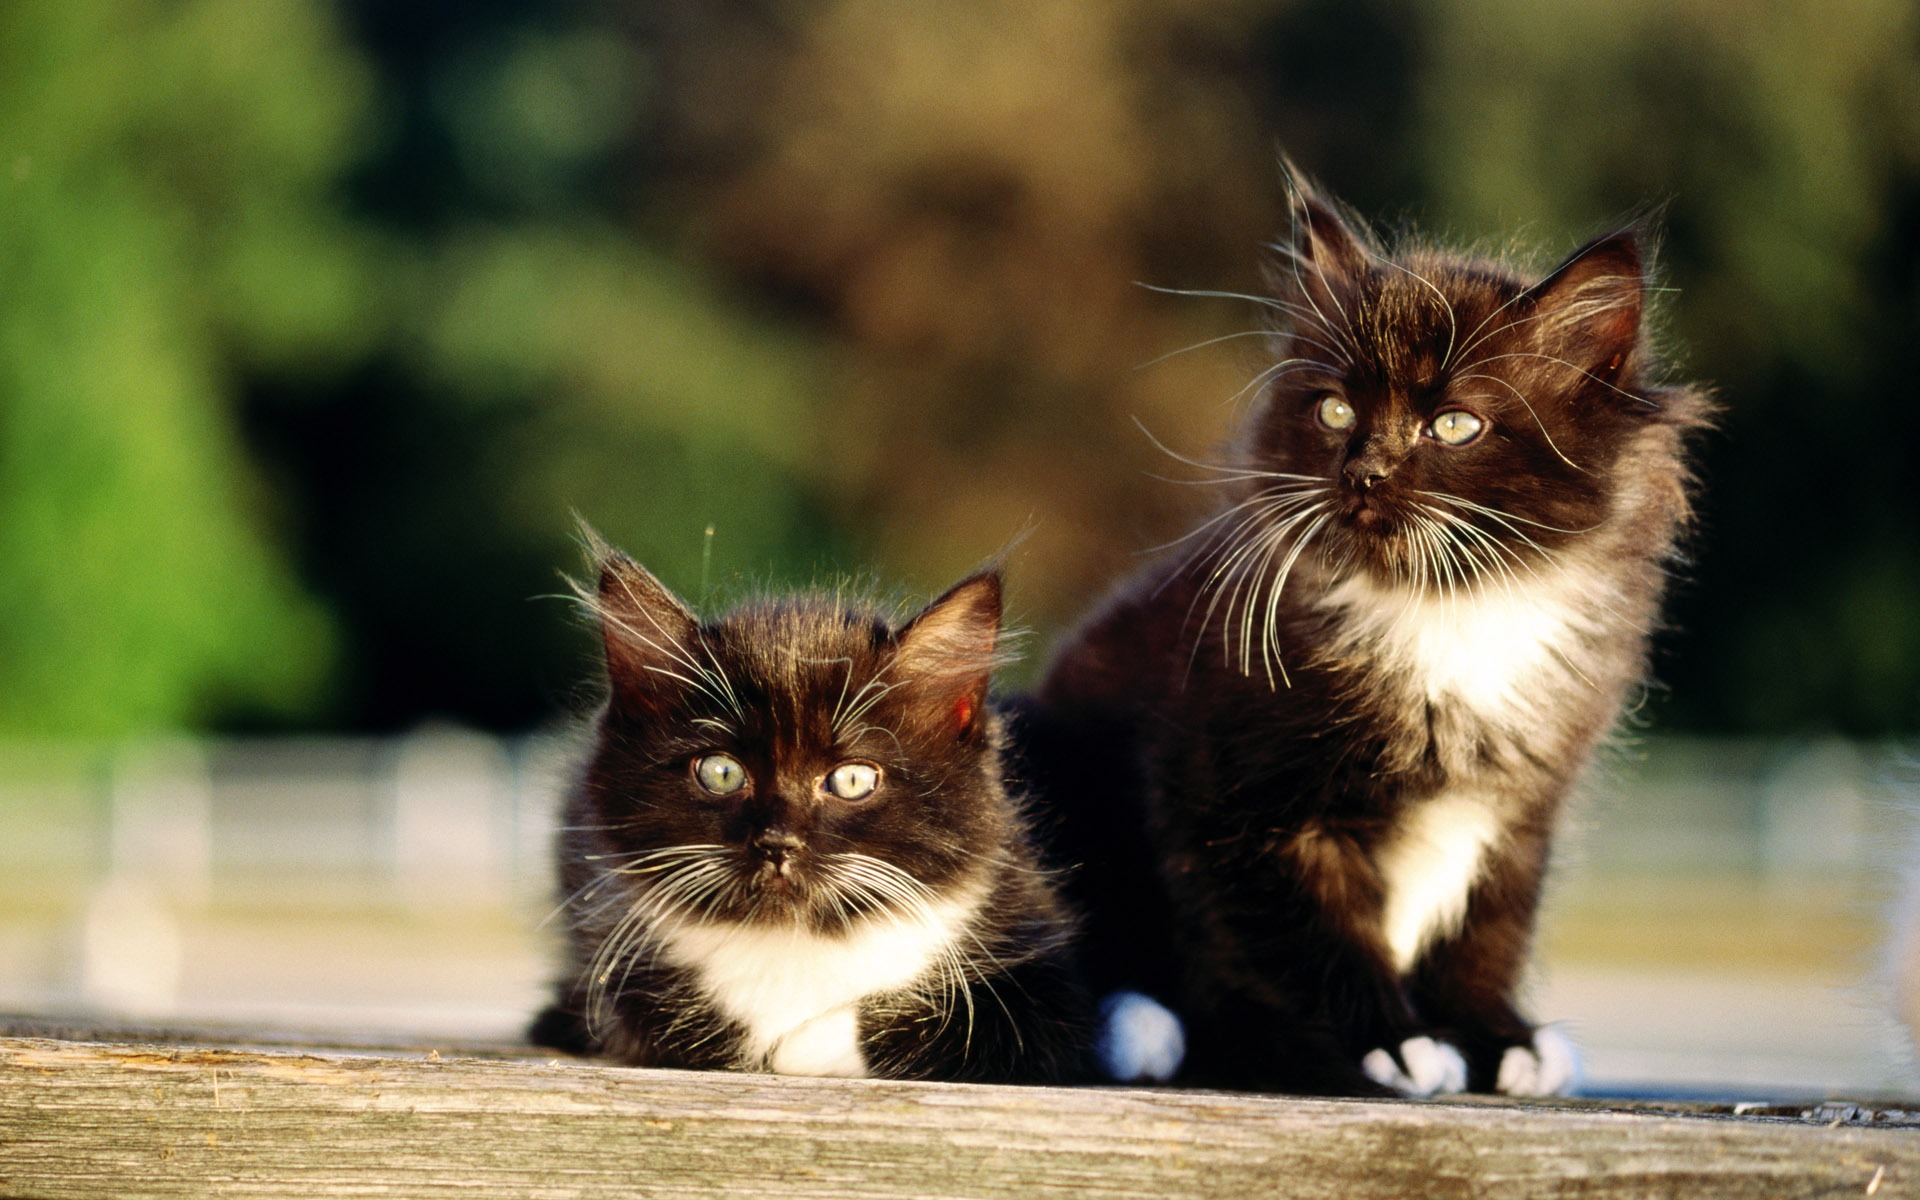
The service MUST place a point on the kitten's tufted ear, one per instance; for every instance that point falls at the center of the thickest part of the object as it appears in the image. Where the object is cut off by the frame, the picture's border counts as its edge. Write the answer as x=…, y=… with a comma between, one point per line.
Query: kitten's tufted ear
x=1324, y=239
x=1587, y=311
x=1322, y=259
x=1324, y=254
x=649, y=635
x=948, y=651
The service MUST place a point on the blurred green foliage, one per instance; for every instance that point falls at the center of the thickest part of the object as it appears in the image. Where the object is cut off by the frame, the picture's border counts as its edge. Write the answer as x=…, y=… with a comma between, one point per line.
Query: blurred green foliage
x=1785, y=143
x=162, y=171
x=320, y=321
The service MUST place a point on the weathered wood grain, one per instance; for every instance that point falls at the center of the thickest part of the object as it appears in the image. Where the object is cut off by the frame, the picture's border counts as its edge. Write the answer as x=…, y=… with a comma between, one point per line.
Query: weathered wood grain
x=146, y=1119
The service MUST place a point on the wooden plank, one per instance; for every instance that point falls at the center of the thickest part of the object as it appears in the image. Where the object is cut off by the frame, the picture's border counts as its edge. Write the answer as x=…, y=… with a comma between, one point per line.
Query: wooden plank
x=139, y=1119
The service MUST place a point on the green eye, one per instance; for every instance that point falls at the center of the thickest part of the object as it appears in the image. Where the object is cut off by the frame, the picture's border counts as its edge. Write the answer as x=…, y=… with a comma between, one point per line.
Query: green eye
x=1335, y=413
x=1456, y=427
x=720, y=774
x=853, y=781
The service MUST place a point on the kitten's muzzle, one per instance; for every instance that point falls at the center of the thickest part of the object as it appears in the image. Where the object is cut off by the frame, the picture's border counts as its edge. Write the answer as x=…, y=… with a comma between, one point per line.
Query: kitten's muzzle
x=1367, y=470
x=776, y=848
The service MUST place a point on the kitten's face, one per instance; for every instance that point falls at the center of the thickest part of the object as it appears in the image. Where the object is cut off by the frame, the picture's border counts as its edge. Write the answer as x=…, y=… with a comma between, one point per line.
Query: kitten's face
x=1435, y=421
x=794, y=763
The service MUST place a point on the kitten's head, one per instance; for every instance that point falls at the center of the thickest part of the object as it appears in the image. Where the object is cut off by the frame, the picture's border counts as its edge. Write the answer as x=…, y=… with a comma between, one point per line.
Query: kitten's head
x=1437, y=420
x=795, y=762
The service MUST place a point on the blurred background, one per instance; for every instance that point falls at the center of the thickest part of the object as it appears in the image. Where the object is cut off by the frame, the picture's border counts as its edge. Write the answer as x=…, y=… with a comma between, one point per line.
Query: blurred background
x=321, y=319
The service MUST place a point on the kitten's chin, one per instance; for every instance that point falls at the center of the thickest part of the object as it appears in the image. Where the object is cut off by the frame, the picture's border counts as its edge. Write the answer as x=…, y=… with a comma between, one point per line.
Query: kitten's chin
x=1367, y=518
x=1369, y=544
x=785, y=897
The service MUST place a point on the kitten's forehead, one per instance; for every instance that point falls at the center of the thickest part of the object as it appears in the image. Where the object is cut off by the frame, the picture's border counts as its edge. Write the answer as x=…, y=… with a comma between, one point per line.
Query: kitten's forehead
x=1413, y=317
x=1400, y=331
x=801, y=644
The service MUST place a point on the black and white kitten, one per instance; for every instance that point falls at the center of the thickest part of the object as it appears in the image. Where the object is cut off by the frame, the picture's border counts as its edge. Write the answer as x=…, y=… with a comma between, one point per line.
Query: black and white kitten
x=793, y=849
x=1312, y=761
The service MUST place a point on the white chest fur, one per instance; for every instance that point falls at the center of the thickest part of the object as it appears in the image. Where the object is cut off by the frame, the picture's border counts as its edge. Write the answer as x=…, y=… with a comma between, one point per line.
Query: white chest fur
x=1496, y=655
x=1490, y=650
x=797, y=992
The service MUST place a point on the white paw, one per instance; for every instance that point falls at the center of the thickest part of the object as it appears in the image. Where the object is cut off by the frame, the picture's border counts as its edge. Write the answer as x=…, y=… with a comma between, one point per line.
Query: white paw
x=828, y=1044
x=1140, y=1039
x=1550, y=1068
x=1431, y=1068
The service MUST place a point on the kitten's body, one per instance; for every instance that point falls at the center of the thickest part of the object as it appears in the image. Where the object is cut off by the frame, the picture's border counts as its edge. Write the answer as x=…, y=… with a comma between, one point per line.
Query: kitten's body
x=778, y=925
x=1314, y=764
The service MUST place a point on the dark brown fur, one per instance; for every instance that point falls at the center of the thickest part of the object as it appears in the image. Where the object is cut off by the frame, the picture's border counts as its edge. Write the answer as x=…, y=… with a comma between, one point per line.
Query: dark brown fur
x=790, y=689
x=1239, y=740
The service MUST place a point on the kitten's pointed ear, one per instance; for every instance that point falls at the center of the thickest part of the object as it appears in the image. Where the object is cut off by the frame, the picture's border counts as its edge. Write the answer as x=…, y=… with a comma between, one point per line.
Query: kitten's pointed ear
x=648, y=633
x=1322, y=259
x=948, y=650
x=1325, y=239
x=1325, y=252
x=1588, y=310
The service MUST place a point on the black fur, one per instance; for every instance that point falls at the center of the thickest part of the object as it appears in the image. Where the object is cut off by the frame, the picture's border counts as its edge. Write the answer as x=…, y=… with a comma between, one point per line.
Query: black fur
x=1232, y=743
x=789, y=691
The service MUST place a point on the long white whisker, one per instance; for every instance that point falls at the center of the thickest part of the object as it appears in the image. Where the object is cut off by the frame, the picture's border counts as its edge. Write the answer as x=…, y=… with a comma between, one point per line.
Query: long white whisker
x=1236, y=470
x=707, y=680
x=1270, y=644
x=1242, y=555
x=1212, y=294
x=1284, y=367
x=1204, y=344
x=1510, y=520
x=1507, y=520
x=1474, y=338
x=1554, y=358
x=1267, y=501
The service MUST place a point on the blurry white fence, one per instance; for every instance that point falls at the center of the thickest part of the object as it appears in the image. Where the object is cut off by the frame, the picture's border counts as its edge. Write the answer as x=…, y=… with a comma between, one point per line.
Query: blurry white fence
x=1718, y=913
x=255, y=876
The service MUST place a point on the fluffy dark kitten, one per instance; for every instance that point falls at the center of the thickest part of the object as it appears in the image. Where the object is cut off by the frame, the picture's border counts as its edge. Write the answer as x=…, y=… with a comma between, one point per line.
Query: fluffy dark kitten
x=1312, y=760
x=792, y=849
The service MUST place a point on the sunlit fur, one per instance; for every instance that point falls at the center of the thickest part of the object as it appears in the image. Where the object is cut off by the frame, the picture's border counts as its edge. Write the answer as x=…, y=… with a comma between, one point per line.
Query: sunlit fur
x=908, y=932
x=1314, y=755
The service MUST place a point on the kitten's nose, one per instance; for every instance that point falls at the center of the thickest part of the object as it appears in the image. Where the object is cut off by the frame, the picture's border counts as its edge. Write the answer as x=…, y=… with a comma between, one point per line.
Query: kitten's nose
x=1366, y=470
x=775, y=845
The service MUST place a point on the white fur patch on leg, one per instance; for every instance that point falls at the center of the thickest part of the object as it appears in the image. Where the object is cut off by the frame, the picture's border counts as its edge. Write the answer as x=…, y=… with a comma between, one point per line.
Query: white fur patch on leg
x=1140, y=1039
x=1428, y=868
x=1432, y=1068
x=1550, y=1068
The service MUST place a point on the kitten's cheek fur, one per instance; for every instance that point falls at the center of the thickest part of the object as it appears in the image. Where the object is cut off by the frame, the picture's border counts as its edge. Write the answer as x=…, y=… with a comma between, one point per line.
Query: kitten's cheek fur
x=1140, y=1039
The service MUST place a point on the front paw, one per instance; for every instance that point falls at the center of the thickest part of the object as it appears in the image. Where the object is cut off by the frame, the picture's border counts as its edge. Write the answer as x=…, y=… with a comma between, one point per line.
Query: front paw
x=1140, y=1040
x=1422, y=1067
x=559, y=1027
x=1549, y=1067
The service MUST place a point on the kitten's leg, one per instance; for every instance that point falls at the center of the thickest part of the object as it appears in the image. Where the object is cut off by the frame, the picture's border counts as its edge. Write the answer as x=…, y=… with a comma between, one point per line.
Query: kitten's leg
x=558, y=1028
x=1291, y=989
x=1240, y=1041
x=562, y=1025
x=656, y=1019
x=829, y=1044
x=1466, y=983
x=1310, y=1011
x=1029, y=1023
